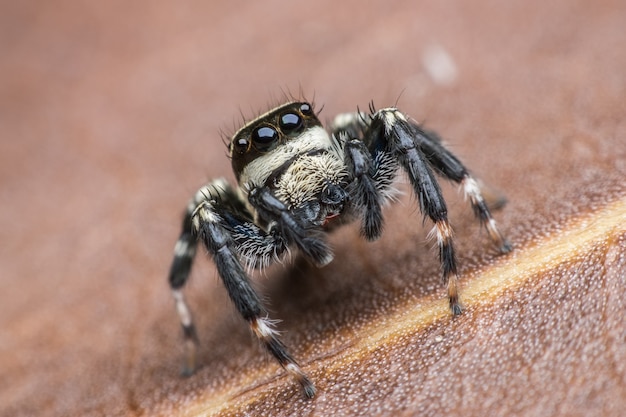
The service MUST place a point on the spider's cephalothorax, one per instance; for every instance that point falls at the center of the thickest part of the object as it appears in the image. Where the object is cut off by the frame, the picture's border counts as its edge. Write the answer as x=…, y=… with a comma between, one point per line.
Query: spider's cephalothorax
x=297, y=181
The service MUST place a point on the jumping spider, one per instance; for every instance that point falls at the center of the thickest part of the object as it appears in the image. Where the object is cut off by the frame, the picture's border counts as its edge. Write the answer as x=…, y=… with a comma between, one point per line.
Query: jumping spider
x=296, y=182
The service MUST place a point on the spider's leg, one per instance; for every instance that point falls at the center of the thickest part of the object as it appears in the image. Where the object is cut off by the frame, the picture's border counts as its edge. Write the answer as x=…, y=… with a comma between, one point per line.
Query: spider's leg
x=449, y=166
x=368, y=198
x=184, y=253
x=255, y=246
x=275, y=212
x=390, y=130
x=352, y=125
x=213, y=229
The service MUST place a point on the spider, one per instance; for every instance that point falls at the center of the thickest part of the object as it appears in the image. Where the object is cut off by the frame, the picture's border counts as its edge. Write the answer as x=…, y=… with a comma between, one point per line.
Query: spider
x=296, y=181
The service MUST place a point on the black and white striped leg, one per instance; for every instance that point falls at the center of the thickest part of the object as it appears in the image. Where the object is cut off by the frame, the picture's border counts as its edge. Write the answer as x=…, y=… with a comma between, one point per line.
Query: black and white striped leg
x=209, y=228
x=184, y=253
x=391, y=127
x=189, y=333
x=361, y=166
x=451, y=168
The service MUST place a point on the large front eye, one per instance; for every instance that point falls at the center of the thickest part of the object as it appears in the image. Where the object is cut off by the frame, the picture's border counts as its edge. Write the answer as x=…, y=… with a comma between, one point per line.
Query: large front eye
x=263, y=137
x=290, y=122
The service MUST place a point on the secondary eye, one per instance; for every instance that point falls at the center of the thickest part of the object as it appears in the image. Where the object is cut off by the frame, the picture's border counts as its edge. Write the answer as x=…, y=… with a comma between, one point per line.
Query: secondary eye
x=290, y=122
x=263, y=137
x=240, y=145
x=305, y=108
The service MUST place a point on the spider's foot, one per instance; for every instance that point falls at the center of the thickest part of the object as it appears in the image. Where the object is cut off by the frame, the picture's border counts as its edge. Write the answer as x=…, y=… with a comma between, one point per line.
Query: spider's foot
x=189, y=365
x=456, y=307
x=186, y=372
x=506, y=247
x=453, y=295
x=191, y=349
x=307, y=386
x=503, y=245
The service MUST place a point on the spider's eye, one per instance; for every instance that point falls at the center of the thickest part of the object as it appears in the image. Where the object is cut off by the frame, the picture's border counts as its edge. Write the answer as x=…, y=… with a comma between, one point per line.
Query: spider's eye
x=305, y=108
x=263, y=137
x=240, y=145
x=290, y=122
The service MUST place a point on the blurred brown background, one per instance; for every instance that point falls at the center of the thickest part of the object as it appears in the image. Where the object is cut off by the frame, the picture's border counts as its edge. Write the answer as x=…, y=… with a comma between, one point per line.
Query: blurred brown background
x=110, y=118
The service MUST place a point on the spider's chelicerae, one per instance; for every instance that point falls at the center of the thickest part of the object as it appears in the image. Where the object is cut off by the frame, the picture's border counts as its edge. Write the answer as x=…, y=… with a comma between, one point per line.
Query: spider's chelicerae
x=297, y=181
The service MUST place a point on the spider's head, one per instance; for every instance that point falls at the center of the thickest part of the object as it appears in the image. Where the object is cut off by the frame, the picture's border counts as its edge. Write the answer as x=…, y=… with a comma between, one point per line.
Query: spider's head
x=288, y=150
x=272, y=140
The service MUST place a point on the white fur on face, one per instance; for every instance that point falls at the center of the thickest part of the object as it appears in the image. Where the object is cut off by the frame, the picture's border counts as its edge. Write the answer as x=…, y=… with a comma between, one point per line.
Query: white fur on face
x=307, y=176
x=257, y=171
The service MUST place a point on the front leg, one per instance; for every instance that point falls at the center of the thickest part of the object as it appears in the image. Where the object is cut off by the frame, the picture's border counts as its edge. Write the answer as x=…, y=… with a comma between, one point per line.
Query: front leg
x=209, y=227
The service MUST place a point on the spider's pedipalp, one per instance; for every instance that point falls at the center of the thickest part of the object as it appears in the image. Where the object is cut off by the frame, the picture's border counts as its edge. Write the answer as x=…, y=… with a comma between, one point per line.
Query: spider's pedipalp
x=270, y=208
